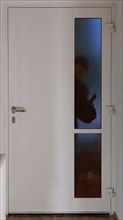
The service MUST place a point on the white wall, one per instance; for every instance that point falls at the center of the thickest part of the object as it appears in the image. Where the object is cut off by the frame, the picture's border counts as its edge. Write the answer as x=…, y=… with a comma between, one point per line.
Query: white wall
x=0, y=195
x=119, y=105
x=2, y=187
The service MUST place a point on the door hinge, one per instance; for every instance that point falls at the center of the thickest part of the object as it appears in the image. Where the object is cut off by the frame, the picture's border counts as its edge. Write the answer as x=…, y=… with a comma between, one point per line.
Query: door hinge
x=112, y=109
x=111, y=27
x=111, y=191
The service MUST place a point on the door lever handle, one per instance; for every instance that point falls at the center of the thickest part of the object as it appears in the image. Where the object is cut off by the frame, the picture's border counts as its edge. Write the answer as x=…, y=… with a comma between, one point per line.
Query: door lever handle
x=15, y=109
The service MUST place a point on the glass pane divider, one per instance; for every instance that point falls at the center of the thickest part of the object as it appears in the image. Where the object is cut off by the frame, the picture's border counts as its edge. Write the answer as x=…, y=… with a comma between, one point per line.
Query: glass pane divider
x=76, y=131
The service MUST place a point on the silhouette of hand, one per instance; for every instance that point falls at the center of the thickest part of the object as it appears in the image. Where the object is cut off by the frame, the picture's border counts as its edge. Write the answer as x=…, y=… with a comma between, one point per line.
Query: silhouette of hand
x=92, y=112
x=89, y=113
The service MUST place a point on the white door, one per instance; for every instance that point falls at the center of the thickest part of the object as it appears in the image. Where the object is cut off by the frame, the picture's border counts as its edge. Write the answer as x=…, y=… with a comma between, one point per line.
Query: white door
x=41, y=140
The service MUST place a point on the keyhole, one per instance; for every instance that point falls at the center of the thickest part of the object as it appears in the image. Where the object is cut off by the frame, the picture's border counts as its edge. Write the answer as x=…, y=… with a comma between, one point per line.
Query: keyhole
x=13, y=119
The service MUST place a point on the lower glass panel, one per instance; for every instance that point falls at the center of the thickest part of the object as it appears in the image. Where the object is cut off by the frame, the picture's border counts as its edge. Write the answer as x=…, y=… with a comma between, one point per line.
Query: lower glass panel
x=87, y=183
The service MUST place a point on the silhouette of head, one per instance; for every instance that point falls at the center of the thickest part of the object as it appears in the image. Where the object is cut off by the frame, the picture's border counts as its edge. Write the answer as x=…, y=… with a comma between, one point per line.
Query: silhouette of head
x=81, y=66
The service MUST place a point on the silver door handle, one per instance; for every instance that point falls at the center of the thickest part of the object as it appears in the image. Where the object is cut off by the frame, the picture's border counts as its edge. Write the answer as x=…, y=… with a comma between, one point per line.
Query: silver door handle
x=17, y=109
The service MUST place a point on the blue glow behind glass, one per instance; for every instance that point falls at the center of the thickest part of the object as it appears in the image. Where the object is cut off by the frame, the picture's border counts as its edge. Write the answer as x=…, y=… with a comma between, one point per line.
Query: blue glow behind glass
x=88, y=43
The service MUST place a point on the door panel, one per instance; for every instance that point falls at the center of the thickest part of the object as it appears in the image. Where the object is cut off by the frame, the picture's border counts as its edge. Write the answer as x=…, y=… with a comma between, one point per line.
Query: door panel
x=41, y=141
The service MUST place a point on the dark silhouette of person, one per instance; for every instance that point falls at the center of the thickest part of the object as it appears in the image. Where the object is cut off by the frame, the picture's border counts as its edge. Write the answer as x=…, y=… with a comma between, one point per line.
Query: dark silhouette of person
x=84, y=109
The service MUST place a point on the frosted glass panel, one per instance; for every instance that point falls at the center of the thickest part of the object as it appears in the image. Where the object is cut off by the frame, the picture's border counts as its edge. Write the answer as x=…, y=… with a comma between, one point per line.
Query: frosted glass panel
x=88, y=50
x=87, y=166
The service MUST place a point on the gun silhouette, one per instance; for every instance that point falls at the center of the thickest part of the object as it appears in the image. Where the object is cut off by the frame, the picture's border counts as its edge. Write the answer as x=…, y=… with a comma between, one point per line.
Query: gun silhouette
x=90, y=102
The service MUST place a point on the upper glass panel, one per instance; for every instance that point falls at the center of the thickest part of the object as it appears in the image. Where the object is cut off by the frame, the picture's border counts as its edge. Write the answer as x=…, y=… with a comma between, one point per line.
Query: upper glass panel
x=87, y=71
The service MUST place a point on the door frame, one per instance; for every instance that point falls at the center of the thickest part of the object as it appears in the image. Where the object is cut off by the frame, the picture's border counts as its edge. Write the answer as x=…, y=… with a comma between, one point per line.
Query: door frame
x=116, y=7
